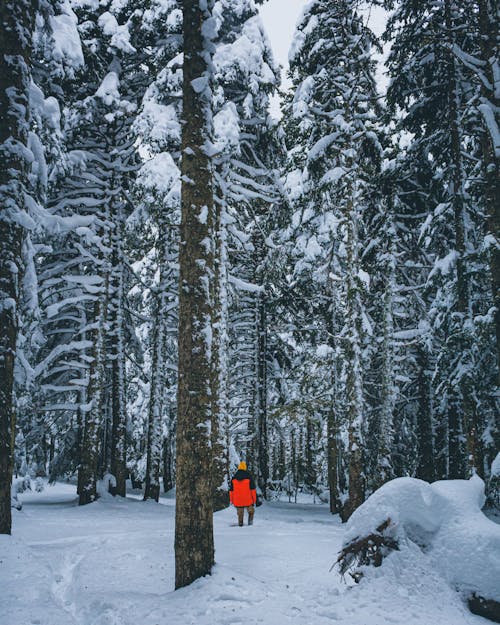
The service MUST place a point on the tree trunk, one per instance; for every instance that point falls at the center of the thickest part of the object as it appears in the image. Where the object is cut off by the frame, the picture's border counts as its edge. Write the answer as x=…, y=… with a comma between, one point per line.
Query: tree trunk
x=334, y=442
x=87, y=476
x=220, y=425
x=118, y=464
x=168, y=465
x=153, y=450
x=425, y=431
x=354, y=390
x=17, y=19
x=194, y=543
x=261, y=399
x=461, y=413
x=385, y=469
x=488, y=27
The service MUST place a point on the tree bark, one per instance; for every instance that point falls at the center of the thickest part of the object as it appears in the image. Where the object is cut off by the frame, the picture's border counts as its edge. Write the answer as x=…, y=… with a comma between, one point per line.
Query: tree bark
x=153, y=450
x=461, y=414
x=425, y=431
x=354, y=390
x=194, y=543
x=220, y=425
x=261, y=399
x=87, y=475
x=488, y=28
x=17, y=19
x=118, y=463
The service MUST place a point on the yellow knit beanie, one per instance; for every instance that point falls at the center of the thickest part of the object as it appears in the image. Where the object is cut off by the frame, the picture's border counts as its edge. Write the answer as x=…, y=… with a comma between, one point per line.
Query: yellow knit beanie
x=242, y=466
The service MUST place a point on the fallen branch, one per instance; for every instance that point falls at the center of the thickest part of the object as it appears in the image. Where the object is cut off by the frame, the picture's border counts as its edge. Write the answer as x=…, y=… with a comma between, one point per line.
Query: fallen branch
x=369, y=550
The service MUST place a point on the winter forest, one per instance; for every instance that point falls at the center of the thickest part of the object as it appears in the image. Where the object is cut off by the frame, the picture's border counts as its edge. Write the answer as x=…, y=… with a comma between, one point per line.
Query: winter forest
x=189, y=280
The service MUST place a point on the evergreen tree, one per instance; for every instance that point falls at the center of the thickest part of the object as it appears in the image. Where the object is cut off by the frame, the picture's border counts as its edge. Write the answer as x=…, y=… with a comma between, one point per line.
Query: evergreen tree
x=335, y=114
x=17, y=20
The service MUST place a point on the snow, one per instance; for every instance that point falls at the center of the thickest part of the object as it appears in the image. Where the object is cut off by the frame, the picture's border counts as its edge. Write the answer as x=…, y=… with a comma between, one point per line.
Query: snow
x=120, y=34
x=227, y=130
x=495, y=466
x=112, y=563
x=445, y=520
x=162, y=175
x=109, y=89
x=67, y=48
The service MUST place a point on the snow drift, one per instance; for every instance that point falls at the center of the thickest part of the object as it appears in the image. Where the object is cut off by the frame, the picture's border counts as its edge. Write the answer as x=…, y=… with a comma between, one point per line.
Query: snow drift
x=444, y=519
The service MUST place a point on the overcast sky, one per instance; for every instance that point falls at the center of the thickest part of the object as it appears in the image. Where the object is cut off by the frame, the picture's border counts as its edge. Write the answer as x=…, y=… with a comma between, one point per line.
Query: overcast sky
x=280, y=18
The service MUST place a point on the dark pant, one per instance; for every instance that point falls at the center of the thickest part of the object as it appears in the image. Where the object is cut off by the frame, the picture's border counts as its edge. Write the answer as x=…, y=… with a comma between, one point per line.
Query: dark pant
x=241, y=512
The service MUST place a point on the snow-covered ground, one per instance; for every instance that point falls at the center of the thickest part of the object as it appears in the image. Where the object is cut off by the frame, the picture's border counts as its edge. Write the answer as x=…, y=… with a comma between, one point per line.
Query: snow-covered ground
x=112, y=563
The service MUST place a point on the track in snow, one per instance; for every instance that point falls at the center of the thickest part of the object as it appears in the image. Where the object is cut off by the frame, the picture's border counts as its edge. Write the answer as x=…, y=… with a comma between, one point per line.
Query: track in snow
x=112, y=563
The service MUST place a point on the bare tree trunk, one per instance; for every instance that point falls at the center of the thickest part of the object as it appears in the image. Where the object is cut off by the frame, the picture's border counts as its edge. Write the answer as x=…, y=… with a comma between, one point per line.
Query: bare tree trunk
x=89, y=465
x=461, y=414
x=353, y=359
x=17, y=19
x=334, y=443
x=194, y=543
x=425, y=431
x=118, y=464
x=488, y=27
x=220, y=425
x=261, y=399
x=153, y=449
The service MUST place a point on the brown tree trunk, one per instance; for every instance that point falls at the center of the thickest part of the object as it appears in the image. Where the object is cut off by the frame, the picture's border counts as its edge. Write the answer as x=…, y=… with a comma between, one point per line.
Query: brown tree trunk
x=194, y=543
x=17, y=20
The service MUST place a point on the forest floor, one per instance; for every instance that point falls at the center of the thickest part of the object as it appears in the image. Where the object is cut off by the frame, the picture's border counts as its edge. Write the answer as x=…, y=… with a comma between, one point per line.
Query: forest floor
x=112, y=563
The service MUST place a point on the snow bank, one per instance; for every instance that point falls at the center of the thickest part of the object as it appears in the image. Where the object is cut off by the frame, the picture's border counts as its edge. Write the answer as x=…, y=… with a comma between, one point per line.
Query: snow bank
x=445, y=520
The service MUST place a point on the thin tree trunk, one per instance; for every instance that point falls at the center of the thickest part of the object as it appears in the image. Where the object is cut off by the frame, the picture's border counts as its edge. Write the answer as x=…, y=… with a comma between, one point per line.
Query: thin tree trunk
x=385, y=469
x=261, y=399
x=194, y=543
x=220, y=439
x=461, y=413
x=352, y=355
x=153, y=450
x=488, y=26
x=17, y=20
x=425, y=431
x=334, y=443
x=87, y=476
x=118, y=464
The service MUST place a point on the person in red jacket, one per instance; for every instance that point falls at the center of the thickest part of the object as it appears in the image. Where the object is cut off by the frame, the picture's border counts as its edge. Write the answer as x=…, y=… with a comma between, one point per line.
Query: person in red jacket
x=242, y=493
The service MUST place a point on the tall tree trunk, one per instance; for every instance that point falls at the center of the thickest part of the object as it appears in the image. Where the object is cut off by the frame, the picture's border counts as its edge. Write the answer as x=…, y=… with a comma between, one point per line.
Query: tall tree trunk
x=194, y=543
x=261, y=396
x=354, y=389
x=425, y=430
x=334, y=442
x=488, y=28
x=157, y=391
x=118, y=464
x=461, y=413
x=220, y=424
x=168, y=463
x=17, y=19
x=89, y=465
x=385, y=469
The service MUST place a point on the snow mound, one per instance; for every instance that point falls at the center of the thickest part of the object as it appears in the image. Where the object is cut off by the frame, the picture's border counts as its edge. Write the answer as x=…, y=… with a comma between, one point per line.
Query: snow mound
x=445, y=520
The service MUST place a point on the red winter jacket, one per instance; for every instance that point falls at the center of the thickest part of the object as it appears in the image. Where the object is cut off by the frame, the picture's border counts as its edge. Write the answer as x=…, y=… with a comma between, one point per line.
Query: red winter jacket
x=242, y=492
